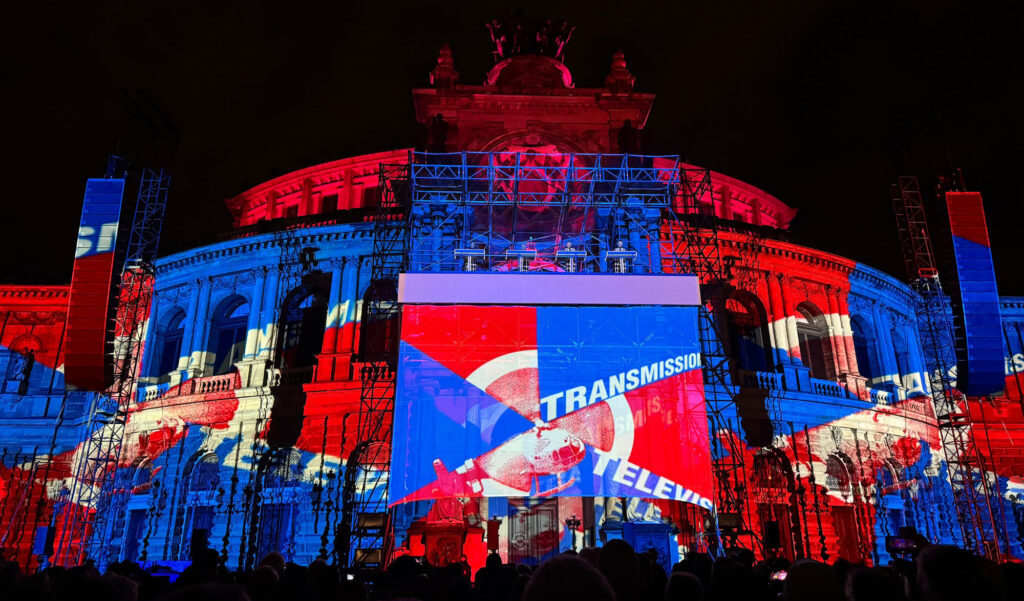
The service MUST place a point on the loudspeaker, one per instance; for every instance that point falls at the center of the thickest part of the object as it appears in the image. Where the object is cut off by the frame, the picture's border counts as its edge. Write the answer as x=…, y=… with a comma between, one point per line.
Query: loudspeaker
x=772, y=540
x=42, y=543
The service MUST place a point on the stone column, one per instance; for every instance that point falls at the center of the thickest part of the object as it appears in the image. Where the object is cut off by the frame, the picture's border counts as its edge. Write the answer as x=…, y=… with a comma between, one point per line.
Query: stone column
x=334, y=308
x=251, y=368
x=836, y=333
x=365, y=267
x=191, y=320
x=268, y=316
x=197, y=346
x=151, y=336
x=780, y=338
x=887, y=356
x=347, y=312
x=793, y=339
x=255, y=324
x=915, y=359
x=844, y=322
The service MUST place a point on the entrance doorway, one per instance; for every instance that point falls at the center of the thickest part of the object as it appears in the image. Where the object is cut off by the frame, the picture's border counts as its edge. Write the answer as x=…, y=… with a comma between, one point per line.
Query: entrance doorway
x=533, y=530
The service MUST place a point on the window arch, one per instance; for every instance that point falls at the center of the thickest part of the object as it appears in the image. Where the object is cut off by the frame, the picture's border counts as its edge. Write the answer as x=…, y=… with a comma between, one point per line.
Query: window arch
x=749, y=343
x=865, y=346
x=379, y=327
x=815, y=346
x=837, y=477
x=773, y=487
x=142, y=478
x=280, y=479
x=169, y=343
x=303, y=321
x=199, y=503
x=229, y=326
x=284, y=469
x=205, y=474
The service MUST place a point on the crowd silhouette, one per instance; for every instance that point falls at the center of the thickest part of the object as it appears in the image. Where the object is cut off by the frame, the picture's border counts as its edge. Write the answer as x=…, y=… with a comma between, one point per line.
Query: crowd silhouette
x=614, y=572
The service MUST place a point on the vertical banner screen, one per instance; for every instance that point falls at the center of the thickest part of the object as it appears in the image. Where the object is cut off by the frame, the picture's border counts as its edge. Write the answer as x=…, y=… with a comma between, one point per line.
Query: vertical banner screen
x=86, y=356
x=550, y=401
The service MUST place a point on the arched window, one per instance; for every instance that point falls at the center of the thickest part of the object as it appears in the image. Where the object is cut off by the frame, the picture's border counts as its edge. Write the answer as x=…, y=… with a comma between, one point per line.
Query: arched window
x=200, y=498
x=837, y=477
x=302, y=328
x=169, y=344
x=776, y=509
x=206, y=474
x=815, y=346
x=379, y=328
x=227, y=335
x=284, y=470
x=865, y=345
x=749, y=343
x=277, y=515
x=902, y=355
x=142, y=478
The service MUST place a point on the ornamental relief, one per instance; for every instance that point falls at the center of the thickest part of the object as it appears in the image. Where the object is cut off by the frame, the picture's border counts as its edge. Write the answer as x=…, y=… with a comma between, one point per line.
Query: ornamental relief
x=35, y=318
x=233, y=282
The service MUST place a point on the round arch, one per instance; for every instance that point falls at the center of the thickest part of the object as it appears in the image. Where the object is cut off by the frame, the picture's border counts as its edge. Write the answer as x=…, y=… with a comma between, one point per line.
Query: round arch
x=302, y=324
x=815, y=345
x=747, y=325
x=229, y=325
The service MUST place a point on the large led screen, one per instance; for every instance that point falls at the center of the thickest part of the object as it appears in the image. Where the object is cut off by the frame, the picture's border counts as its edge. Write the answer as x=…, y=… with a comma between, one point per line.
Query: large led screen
x=550, y=401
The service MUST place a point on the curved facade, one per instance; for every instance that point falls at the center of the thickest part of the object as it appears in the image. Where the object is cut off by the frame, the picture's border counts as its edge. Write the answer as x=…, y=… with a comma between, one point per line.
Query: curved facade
x=249, y=401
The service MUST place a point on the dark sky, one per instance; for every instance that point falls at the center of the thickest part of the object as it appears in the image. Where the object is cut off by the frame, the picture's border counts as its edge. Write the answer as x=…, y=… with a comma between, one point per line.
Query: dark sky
x=818, y=103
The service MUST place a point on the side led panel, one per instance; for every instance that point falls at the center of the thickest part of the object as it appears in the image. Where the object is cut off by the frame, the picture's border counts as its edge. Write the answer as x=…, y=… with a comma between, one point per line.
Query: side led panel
x=86, y=358
x=976, y=299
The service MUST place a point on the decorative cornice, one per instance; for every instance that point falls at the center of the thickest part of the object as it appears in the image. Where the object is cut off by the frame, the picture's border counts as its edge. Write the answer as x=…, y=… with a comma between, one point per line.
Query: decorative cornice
x=247, y=246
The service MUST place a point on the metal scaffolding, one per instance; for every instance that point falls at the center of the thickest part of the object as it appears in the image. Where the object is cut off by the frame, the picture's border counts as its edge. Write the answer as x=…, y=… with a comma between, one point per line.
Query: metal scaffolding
x=364, y=537
x=574, y=213
x=971, y=494
x=95, y=499
x=694, y=235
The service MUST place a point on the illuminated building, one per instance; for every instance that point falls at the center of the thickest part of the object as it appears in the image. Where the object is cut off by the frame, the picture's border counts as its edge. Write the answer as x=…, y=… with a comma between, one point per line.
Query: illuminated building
x=251, y=391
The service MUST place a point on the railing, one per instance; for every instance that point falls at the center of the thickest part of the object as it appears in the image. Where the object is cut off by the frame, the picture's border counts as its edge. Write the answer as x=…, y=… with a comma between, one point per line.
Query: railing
x=202, y=385
x=765, y=380
x=829, y=389
x=775, y=382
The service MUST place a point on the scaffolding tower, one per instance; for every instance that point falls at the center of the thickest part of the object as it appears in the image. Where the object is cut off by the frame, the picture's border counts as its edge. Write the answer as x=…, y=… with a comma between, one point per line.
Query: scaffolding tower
x=493, y=211
x=94, y=501
x=967, y=474
x=364, y=538
x=694, y=235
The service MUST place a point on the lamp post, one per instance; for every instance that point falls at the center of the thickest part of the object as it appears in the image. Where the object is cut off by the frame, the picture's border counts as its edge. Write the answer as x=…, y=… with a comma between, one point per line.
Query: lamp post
x=572, y=524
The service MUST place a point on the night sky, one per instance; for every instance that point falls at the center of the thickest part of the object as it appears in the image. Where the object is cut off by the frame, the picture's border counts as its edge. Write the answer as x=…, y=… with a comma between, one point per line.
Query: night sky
x=820, y=104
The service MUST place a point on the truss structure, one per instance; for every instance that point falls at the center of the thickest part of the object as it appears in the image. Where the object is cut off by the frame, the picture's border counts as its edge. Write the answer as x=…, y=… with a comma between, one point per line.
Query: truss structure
x=538, y=212
x=693, y=237
x=967, y=475
x=96, y=499
x=530, y=212
x=365, y=536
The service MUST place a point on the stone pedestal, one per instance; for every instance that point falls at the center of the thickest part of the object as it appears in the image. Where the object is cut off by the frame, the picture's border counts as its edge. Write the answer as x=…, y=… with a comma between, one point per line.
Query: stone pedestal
x=796, y=377
x=252, y=372
x=857, y=385
x=333, y=367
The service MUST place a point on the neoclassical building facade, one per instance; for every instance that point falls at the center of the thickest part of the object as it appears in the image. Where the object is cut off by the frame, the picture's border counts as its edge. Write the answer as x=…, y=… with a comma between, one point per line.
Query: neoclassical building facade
x=249, y=397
